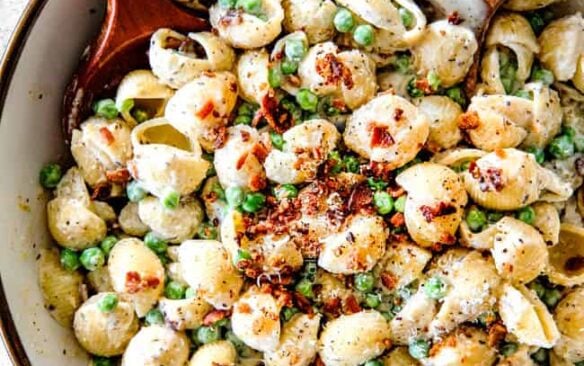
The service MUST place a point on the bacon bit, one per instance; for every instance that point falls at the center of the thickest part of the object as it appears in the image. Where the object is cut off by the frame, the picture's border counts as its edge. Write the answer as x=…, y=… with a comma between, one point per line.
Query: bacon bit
x=134, y=282
x=441, y=209
x=396, y=191
x=101, y=191
x=241, y=161
x=302, y=303
x=219, y=136
x=468, y=120
x=423, y=85
x=574, y=264
x=447, y=239
x=497, y=333
x=283, y=297
x=318, y=361
x=151, y=282
x=332, y=306
x=388, y=280
x=205, y=110
x=380, y=137
x=449, y=341
x=492, y=179
x=245, y=136
x=454, y=18
x=501, y=153
x=378, y=170
x=107, y=135
x=244, y=308
x=214, y=316
x=361, y=199
x=339, y=104
x=398, y=219
x=277, y=117
x=257, y=182
x=474, y=170
x=233, y=17
x=119, y=176
x=398, y=114
x=260, y=151
x=352, y=305
x=334, y=71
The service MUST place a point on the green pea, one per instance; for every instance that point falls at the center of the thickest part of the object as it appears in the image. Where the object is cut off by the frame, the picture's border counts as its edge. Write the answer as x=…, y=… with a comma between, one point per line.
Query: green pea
x=156, y=244
x=92, y=258
x=537, y=21
x=171, y=199
x=493, y=217
x=154, y=317
x=372, y=300
x=351, y=164
x=373, y=363
x=508, y=349
x=363, y=34
x=288, y=313
x=227, y=4
x=242, y=255
x=304, y=287
x=242, y=119
x=435, y=288
x=208, y=334
x=50, y=175
x=69, y=260
x=433, y=80
x=343, y=20
x=105, y=108
x=286, y=191
x=326, y=105
x=407, y=18
x=174, y=290
x=307, y=100
x=277, y=140
x=400, y=203
x=207, y=231
x=108, y=243
x=364, y=282
x=383, y=201
x=140, y=115
x=507, y=71
x=102, y=361
x=294, y=49
x=108, y=303
x=419, y=349
x=388, y=315
x=335, y=160
x=538, y=153
x=250, y=6
x=538, y=288
x=253, y=202
x=376, y=184
x=135, y=192
x=476, y=219
x=402, y=64
x=275, y=77
x=523, y=94
x=551, y=297
x=541, y=357
x=412, y=90
x=246, y=109
x=234, y=196
x=561, y=147
x=543, y=75
x=293, y=109
x=569, y=131
x=456, y=94
x=288, y=67
x=527, y=215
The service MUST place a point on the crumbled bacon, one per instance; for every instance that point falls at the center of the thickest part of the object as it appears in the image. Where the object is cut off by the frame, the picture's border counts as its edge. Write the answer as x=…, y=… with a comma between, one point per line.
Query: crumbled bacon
x=398, y=114
x=491, y=179
x=260, y=151
x=396, y=191
x=352, y=305
x=441, y=209
x=302, y=303
x=388, y=280
x=257, y=182
x=119, y=176
x=398, y=219
x=334, y=71
x=219, y=136
x=277, y=117
x=497, y=333
x=447, y=239
x=361, y=199
x=245, y=136
x=332, y=306
x=378, y=170
x=242, y=158
x=423, y=85
x=380, y=137
x=454, y=18
x=205, y=110
x=233, y=17
x=101, y=191
x=107, y=135
x=214, y=316
x=468, y=120
x=135, y=283
x=318, y=361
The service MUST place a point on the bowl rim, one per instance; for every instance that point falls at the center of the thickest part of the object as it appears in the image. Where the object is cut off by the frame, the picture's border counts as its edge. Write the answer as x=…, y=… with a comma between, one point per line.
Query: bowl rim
x=8, y=332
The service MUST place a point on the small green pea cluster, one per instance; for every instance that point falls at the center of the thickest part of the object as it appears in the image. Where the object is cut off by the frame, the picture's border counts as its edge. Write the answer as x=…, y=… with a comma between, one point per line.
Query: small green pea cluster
x=108, y=109
x=478, y=219
x=435, y=288
x=245, y=114
x=294, y=52
x=347, y=163
x=566, y=144
x=307, y=277
x=344, y=22
x=547, y=292
x=91, y=258
x=250, y=202
x=221, y=329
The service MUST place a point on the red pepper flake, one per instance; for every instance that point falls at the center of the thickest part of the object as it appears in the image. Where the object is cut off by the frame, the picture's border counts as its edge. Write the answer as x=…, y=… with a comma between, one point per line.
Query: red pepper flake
x=352, y=305
x=388, y=280
x=333, y=71
x=380, y=137
x=119, y=176
x=454, y=18
x=107, y=135
x=441, y=209
x=205, y=110
x=424, y=86
x=468, y=120
x=398, y=219
x=214, y=316
x=398, y=114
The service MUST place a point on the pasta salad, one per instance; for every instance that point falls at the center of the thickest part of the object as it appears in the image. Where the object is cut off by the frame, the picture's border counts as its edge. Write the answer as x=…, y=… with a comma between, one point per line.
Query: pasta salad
x=309, y=184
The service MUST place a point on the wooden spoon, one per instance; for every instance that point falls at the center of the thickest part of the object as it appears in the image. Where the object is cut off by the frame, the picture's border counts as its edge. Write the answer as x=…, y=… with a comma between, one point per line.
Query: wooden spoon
x=120, y=47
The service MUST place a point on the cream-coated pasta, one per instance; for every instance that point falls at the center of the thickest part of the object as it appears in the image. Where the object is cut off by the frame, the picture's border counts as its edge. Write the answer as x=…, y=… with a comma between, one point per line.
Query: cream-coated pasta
x=252, y=75
x=565, y=259
x=350, y=340
x=175, y=225
x=298, y=342
x=248, y=31
x=157, y=345
x=404, y=262
x=137, y=272
x=177, y=59
x=314, y=17
x=443, y=113
x=202, y=106
x=105, y=333
x=388, y=129
x=523, y=5
x=129, y=220
x=547, y=222
x=569, y=318
x=399, y=356
x=215, y=206
x=413, y=320
x=207, y=268
x=184, y=314
x=465, y=346
x=216, y=353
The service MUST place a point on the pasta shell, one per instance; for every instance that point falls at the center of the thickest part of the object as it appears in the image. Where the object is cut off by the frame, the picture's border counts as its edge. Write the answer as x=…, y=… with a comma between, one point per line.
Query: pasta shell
x=217, y=353
x=547, y=116
x=569, y=318
x=547, y=221
x=157, y=345
x=298, y=342
x=256, y=320
x=523, y=5
x=578, y=78
x=252, y=75
x=60, y=288
x=566, y=260
x=526, y=317
x=215, y=208
x=314, y=17
x=184, y=313
x=394, y=82
x=404, y=262
x=482, y=240
x=456, y=157
x=176, y=67
x=442, y=112
x=99, y=280
x=413, y=320
x=511, y=28
x=105, y=333
x=399, y=356
x=130, y=222
x=351, y=340
x=147, y=92
x=363, y=84
x=207, y=268
x=175, y=225
x=136, y=271
x=466, y=346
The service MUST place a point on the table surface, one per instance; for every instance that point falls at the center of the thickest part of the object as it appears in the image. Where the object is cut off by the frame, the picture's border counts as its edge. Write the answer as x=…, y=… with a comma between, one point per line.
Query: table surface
x=10, y=11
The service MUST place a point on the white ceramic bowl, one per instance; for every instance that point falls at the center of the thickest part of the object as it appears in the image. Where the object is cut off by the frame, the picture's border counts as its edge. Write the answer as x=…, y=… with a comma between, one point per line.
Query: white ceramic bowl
x=39, y=62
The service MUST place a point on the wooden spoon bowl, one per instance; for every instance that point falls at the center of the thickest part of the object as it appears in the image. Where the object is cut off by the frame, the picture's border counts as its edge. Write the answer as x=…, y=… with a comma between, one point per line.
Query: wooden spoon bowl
x=120, y=47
